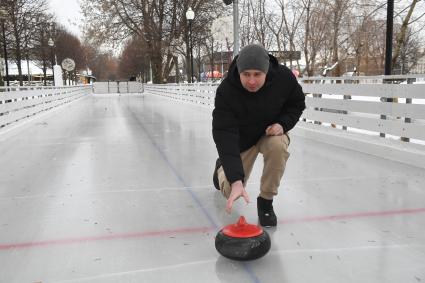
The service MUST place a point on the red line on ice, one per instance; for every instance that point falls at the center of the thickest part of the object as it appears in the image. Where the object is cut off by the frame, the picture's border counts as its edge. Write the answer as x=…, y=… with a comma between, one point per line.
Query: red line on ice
x=195, y=230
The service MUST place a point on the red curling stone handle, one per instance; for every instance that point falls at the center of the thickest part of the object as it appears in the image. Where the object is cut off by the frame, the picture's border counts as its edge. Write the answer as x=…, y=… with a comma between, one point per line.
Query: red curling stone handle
x=242, y=229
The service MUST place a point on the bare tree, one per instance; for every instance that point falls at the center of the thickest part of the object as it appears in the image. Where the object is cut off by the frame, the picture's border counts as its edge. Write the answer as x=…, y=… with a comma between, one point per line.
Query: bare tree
x=69, y=46
x=292, y=19
x=105, y=67
x=409, y=54
x=364, y=36
x=21, y=14
x=133, y=61
x=338, y=15
x=314, y=33
x=246, y=34
x=103, y=64
x=274, y=22
x=327, y=31
x=161, y=23
x=261, y=31
x=253, y=24
x=40, y=50
x=402, y=37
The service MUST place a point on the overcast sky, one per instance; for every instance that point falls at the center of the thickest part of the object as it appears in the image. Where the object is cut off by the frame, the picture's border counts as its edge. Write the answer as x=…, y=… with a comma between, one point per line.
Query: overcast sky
x=68, y=14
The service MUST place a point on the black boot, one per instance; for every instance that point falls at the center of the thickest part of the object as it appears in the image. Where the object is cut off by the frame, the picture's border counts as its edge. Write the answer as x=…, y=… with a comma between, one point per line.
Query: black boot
x=215, y=176
x=265, y=212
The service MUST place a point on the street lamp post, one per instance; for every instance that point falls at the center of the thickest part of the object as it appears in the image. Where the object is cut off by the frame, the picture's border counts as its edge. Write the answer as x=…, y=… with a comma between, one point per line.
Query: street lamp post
x=190, y=15
x=235, y=27
x=3, y=17
x=51, y=43
x=388, y=51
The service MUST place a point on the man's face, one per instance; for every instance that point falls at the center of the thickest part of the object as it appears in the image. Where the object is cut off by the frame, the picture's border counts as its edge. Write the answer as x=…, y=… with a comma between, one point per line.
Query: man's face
x=252, y=80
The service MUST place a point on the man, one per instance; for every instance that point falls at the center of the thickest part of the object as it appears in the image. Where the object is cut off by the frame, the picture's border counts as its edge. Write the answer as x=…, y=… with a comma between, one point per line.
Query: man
x=255, y=106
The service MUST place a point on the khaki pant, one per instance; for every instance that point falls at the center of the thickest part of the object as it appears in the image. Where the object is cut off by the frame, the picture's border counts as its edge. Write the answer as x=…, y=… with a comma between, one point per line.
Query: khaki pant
x=275, y=153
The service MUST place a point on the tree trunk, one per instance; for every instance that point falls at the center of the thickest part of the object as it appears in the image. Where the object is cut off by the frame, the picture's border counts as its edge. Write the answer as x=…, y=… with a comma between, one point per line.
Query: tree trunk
x=18, y=55
x=212, y=60
x=44, y=73
x=157, y=69
x=401, y=37
x=306, y=40
x=335, y=46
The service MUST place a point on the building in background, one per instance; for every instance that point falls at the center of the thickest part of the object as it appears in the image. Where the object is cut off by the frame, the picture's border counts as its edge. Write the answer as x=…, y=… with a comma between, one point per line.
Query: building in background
x=32, y=74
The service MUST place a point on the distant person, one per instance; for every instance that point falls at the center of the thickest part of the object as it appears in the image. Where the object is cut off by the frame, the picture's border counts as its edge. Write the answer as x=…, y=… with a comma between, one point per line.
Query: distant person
x=256, y=105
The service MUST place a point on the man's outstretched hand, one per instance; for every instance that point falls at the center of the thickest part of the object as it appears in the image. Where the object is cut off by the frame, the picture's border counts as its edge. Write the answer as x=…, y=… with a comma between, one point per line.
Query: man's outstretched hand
x=238, y=191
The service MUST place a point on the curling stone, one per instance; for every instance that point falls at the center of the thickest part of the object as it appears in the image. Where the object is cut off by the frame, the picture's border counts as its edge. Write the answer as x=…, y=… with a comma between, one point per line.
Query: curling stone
x=242, y=241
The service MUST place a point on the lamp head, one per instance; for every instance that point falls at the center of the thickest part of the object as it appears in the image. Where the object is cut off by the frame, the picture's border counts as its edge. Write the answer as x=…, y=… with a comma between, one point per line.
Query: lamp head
x=3, y=14
x=190, y=15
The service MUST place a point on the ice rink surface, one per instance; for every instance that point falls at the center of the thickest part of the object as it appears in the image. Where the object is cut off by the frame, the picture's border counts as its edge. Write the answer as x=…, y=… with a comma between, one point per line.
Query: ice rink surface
x=117, y=188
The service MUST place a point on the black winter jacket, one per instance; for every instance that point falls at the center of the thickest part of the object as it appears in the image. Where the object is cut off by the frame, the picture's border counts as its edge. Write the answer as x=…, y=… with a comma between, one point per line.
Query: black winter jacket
x=240, y=118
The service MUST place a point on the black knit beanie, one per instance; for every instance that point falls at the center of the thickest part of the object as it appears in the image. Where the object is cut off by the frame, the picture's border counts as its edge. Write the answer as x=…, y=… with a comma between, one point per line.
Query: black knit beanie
x=253, y=57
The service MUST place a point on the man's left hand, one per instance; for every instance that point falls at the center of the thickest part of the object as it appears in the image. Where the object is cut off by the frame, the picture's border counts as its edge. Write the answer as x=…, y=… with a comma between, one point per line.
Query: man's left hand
x=274, y=130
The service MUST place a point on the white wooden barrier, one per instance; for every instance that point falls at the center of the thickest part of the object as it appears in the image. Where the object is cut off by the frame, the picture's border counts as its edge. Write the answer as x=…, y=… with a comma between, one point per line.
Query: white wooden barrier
x=355, y=105
x=17, y=103
x=348, y=112
x=117, y=87
x=194, y=93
